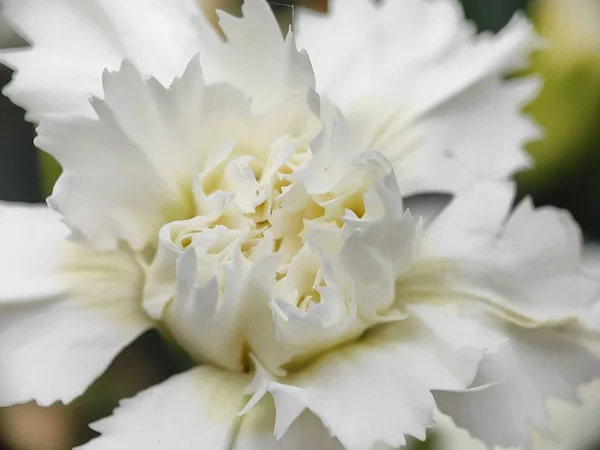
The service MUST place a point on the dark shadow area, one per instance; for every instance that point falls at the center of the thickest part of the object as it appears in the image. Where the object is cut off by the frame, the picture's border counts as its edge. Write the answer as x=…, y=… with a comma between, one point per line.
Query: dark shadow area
x=19, y=180
x=492, y=14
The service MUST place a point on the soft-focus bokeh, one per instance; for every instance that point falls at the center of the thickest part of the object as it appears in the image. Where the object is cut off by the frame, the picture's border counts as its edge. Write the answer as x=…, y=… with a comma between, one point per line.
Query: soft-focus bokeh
x=567, y=174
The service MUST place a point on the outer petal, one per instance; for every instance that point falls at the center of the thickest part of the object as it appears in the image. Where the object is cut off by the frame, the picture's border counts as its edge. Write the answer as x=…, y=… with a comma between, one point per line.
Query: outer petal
x=534, y=366
x=73, y=42
x=256, y=58
x=469, y=222
x=524, y=269
x=575, y=425
x=469, y=126
x=256, y=432
x=539, y=250
x=130, y=171
x=376, y=391
x=419, y=66
x=527, y=263
x=65, y=312
x=198, y=409
x=447, y=436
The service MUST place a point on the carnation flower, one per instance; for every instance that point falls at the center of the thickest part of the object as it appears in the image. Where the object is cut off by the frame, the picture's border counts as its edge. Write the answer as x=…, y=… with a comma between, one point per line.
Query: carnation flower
x=265, y=231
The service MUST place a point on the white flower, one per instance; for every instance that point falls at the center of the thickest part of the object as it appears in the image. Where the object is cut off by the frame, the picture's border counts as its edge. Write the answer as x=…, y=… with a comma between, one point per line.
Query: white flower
x=247, y=218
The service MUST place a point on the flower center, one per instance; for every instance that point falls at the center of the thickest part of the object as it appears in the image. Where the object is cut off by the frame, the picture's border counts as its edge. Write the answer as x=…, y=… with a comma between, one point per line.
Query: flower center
x=284, y=259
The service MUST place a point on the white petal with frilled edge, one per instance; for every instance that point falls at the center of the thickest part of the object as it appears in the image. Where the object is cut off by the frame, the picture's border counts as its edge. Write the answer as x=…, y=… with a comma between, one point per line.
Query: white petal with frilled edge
x=73, y=42
x=256, y=432
x=146, y=141
x=576, y=426
x=198, y=409
x=536, y=261
x=469, y=222
x=65, y=312
x=447, y=436
x=521, y=267
x=523, y=263
x=136, y=152
x=521, y=372
x=422, y=77
x=376, y=391
x=256, y=58
x=533, y=367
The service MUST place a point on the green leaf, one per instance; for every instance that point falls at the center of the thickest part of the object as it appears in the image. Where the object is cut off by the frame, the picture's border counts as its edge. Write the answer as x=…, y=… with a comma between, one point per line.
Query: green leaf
x=49, y=173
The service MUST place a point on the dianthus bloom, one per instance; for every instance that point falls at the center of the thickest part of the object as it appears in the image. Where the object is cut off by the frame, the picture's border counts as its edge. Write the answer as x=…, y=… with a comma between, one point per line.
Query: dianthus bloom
x=258, y=218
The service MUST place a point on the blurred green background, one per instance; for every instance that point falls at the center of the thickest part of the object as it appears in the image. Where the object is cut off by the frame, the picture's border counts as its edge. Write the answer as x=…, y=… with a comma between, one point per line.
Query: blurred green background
x=566, y=175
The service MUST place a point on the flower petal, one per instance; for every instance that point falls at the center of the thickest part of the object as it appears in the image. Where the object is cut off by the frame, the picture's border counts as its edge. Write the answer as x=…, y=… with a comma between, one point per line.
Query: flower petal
x=540, y=250
x=146, y=140
x=469, y=221
x=526, y=263
x=575, y=425
x=188, y=411
x=73, y=42
x=465, y=126
x=197, y=409
x=450, y=437
x=256, y=432
x=65, y=312
x=376, y=391
x=207, y=322
x=532, y=367
x=417, y=67
x=256, y=58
